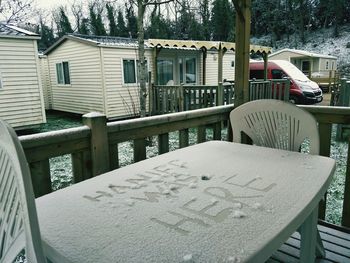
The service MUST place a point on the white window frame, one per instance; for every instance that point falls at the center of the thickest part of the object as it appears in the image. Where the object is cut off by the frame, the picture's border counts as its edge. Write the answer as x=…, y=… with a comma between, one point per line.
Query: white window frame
x=184, y=68
x=136, y=72
x=63, y=75
x=173, y=60
x=327, y=65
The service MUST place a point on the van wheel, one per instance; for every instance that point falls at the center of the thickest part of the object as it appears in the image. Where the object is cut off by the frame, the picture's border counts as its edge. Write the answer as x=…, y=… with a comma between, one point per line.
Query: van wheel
x=293, y=99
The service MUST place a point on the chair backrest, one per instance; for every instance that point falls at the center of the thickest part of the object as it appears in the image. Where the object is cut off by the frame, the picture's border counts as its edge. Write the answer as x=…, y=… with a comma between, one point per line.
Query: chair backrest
x=19, y=227
x=275, y=124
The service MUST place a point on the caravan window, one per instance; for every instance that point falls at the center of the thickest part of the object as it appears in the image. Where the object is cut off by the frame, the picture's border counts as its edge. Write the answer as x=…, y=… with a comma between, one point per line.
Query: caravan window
x=188, y=70
x=62, y=72
x=165, y=71
x=191, y=73
x=129, y=71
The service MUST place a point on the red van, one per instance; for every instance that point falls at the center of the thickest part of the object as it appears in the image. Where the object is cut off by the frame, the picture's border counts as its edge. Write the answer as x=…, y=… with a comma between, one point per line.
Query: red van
x=302, y=89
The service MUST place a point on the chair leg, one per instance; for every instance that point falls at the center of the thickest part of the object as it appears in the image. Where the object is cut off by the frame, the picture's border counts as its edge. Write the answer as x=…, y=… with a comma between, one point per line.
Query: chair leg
x=320, y=252
x=309, y=238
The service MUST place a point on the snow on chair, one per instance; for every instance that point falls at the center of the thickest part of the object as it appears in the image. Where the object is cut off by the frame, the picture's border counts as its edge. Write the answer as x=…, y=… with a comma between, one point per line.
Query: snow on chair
x=19, y=229
x=277, y=124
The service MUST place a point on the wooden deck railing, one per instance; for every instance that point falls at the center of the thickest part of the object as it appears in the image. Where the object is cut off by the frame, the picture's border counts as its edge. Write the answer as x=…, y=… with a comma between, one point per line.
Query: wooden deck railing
x=169, y=99
x=269, y=89
x=94, y=150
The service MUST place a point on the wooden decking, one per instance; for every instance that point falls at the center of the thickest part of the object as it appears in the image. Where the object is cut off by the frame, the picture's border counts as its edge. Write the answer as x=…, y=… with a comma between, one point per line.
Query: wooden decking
x=336, y=243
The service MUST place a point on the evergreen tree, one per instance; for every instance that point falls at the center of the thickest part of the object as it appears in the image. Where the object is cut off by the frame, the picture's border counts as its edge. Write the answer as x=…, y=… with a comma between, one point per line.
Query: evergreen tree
x=112, y=25
x=97, y=27
x=62, y=22
x=46, y=36
x=159, y=27
x=122, y=31
x=84, y=27
x=131, y=20
x=222, y=20
x=204, y=12
x=339, y=6
x=188, y=26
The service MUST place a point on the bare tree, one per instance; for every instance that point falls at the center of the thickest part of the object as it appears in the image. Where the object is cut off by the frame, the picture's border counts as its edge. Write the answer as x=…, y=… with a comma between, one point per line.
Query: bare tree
x=16, y=10
x=77, y=11
x=141, y=9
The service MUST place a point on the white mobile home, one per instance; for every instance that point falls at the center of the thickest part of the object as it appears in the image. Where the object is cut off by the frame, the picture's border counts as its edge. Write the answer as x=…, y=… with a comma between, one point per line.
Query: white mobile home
x=91, y=73
x=94, y=74
x=21, y=99
x=312, y=64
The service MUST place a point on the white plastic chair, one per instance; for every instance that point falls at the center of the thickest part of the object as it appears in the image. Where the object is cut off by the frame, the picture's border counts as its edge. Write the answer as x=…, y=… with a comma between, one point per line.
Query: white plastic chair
x=277, y=124
x=19, y=227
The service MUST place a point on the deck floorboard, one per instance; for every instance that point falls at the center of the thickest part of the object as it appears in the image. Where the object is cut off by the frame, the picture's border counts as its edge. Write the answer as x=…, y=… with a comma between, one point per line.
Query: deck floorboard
x=336, y=243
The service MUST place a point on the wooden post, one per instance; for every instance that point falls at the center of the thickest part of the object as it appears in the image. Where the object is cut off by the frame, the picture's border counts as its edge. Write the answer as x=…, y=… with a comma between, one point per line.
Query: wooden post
x=181, y=95
x=156, y=51
x=183, y=138
x=330, y=81
x=346, y=98
x=265, y=57
x=217, y=131
x=201, y=134
x=150, y=94
x=97, y=122
x=343, y=100
x=220, y=94
x=204, y=51
x=163, y=143
x=310, y=68
x=114, y=156
x=41, y=180
x=81, y=164
x=325, y=150
x=243, y=17
x=139, y=150
x=220, y=63
x=345, y=221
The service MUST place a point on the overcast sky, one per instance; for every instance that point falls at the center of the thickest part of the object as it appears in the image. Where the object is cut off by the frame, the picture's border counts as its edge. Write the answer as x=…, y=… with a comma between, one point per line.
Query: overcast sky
x=49, y=4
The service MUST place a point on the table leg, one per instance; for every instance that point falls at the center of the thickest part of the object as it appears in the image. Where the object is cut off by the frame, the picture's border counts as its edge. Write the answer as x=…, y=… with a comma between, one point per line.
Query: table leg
x=308, y=232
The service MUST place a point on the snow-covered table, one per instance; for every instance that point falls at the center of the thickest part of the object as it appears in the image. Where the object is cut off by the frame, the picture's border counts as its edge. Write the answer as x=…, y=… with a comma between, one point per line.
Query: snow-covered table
x=212, y=202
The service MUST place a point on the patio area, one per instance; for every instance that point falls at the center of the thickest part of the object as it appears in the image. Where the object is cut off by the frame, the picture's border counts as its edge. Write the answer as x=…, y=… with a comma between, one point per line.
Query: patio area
x=335, y=240
x=78, y=142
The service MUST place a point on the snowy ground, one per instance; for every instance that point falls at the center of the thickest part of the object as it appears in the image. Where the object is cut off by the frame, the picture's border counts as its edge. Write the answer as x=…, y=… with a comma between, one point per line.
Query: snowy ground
x=320, y=41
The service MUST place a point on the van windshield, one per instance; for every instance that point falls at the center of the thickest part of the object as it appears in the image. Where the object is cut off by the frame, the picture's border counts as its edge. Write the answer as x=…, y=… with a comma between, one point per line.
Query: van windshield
x=293, y=72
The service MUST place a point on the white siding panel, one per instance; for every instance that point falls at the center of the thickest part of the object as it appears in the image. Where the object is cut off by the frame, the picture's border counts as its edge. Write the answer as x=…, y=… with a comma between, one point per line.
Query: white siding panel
x=212, y=68
x=228, y=72
x=84, y=94
x=20, y=100
x=45, y=81
x=122, y=100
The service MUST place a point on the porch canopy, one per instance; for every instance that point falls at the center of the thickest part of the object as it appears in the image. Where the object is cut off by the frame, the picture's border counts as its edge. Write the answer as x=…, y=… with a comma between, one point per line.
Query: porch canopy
x=220, y=46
